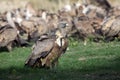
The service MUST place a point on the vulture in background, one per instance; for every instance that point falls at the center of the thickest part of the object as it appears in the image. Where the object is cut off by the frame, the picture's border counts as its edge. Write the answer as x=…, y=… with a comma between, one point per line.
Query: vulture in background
x=47, y=50
x=111, y=28
x=7, y=36
x=8, y=33
x=100, y=3
x=104, y=4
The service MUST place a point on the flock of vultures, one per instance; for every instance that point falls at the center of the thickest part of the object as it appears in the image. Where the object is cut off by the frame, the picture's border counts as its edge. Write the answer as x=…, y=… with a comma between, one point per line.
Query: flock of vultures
x=50, y=31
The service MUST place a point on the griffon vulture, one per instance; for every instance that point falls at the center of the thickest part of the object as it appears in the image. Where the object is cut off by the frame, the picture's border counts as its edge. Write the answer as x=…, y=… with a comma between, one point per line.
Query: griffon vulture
x=111, y=28
x=47, y=50
x=8, y=33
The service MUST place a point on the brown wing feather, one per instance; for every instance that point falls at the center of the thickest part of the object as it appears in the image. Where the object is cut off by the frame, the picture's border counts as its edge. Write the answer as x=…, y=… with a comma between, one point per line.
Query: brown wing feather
x=41, y=50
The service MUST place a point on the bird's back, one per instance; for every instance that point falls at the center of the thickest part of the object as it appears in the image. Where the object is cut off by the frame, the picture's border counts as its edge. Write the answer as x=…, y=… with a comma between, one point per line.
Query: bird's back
x=40, y=50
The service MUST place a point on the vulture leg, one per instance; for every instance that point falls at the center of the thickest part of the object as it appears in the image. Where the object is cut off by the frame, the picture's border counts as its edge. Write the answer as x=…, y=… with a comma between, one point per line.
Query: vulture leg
x=85, y=42
x=9, y=46
x=48, y=65
x=55, y=64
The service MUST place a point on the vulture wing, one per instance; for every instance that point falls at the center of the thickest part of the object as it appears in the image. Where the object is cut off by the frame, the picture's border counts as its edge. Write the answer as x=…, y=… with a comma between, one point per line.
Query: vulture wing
x=5, y=39
x=40, y=50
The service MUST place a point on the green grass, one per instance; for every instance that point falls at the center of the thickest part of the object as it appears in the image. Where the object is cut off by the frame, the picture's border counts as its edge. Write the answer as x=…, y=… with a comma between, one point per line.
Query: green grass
x=96, y=61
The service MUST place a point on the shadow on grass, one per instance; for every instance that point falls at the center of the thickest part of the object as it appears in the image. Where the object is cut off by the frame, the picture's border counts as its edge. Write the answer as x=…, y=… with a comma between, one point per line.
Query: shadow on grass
x=103, y=72
x=3, y=49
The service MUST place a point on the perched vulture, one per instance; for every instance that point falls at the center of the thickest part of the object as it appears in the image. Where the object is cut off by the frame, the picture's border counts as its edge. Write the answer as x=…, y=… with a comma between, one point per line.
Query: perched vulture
x=105, y=4
x=84, y=27
x=47, y=50
x=111, y=28
x=102, y=3
x=7, y=35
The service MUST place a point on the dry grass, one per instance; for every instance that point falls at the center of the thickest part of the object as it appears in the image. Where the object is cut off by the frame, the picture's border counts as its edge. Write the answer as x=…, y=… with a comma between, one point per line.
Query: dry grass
x=51, y=5
x=115, y=2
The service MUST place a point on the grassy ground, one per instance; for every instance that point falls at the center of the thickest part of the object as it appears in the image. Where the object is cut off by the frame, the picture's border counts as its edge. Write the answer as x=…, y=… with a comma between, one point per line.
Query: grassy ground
x=96, y=61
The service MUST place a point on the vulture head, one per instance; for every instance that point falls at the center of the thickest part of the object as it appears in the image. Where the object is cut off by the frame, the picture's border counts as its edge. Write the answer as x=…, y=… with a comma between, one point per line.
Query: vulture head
x=66, y=26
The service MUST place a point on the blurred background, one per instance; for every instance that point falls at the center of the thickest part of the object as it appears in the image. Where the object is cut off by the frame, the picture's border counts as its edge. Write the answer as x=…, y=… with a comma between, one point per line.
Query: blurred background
x=51, y=5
